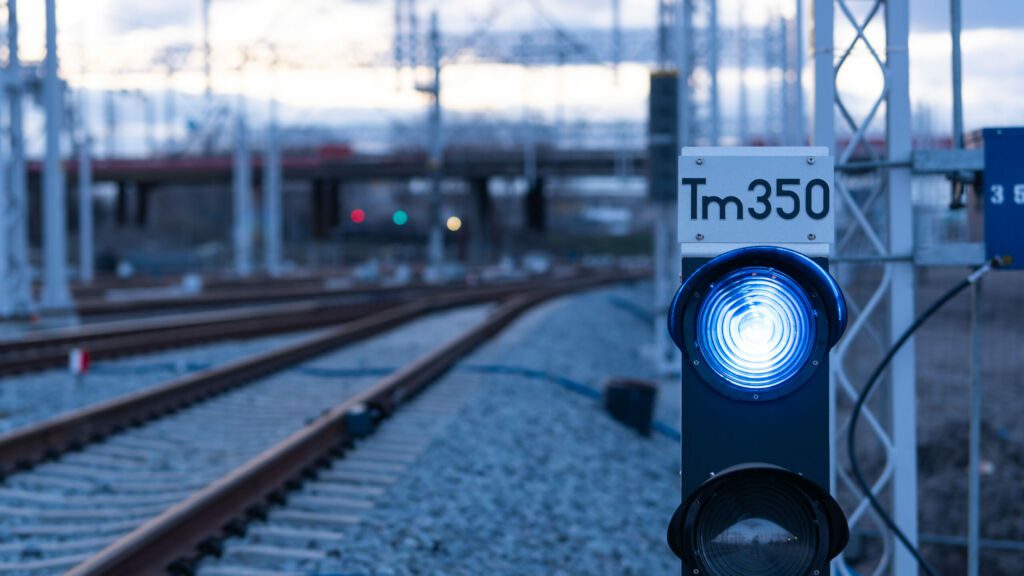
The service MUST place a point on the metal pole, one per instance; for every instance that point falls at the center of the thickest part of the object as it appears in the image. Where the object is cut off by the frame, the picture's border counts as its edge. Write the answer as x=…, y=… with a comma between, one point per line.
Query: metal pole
x=414, y=32
x=208, y=138
x=86, y=264
x=398, y=36
x=958, y=101
x=769, y=82
x=207, y=76
x=665, y=8
x=242, y=196
x=616, y=35
x=666, y=260
x=56, y=295
x=684, y=64
x=149, y=112
x=824, y=74
x=974, y=472
x=901, y=297
x=110, y=112
x=713, y=71
x=974, y=465
x=170, y=113
x=786, y=86
x=435, y=247
x=7, y=271
x=16, y=291
x=824, y=135
x=744, y=112
x=800, y=126
x=272, y=205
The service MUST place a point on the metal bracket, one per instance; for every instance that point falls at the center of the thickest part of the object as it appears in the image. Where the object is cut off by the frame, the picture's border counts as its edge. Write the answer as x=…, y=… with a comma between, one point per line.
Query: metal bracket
x=948, y=161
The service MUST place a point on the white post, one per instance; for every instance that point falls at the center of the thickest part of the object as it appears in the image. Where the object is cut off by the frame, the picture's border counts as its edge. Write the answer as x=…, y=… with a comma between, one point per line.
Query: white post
x=901, y=297
x=273, y=212
x=56, y=295
x=242, y=199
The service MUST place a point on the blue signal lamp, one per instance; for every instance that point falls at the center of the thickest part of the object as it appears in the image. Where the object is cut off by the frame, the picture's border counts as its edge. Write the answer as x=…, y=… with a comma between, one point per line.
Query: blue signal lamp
x=757, y=320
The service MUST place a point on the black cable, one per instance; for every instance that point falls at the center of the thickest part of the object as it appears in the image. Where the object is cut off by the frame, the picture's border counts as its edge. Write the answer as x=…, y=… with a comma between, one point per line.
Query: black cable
x=865, y=393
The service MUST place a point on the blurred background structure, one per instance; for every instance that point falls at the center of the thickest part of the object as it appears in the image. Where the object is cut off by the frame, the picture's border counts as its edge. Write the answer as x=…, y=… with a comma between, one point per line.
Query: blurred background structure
x=221, y=139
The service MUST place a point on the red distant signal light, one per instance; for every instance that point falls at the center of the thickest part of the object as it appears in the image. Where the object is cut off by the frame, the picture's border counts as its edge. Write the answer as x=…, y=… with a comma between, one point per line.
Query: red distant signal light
x=358, y=216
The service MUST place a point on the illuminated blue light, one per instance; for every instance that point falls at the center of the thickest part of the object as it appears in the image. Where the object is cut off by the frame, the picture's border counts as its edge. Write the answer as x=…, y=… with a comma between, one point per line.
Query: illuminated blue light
x=756, y=328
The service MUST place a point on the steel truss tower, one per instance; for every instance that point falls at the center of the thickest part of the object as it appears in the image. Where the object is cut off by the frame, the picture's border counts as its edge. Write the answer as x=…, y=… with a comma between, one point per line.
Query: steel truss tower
x=877, y=229
x=15, y=273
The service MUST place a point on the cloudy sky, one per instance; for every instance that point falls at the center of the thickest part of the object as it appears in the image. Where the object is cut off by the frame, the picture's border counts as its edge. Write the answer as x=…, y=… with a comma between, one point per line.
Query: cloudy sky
x=326, y=48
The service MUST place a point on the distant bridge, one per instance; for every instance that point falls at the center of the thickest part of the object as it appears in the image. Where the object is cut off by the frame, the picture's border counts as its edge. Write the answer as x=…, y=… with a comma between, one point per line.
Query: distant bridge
x=328, y=170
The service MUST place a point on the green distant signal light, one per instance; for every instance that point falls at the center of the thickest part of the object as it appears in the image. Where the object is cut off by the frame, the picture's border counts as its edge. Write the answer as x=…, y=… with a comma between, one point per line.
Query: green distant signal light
x=400, y=217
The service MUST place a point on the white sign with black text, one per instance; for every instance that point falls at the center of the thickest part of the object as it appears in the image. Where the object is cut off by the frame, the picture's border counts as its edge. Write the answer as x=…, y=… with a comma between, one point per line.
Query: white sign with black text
x=748, y=195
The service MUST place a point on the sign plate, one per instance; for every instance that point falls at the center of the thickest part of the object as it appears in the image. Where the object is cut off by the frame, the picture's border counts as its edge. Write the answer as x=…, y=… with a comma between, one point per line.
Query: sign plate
x=1004, y=195
x=748, y=195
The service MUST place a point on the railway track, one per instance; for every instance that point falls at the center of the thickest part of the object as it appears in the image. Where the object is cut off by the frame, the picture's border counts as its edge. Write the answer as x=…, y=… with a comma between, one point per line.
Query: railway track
x=306, y=526
x=49, y=349
x=201, y=443
x=105, y=287
x=239, y=296
x=113, y=302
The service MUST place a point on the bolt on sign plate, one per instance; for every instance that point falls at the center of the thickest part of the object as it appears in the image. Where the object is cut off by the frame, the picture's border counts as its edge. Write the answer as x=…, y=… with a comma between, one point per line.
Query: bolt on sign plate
x=748, y=195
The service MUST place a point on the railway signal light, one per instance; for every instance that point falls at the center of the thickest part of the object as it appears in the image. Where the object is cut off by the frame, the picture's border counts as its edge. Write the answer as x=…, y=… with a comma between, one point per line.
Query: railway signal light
x=755, y=324
x=358, y=216
x=400, y=217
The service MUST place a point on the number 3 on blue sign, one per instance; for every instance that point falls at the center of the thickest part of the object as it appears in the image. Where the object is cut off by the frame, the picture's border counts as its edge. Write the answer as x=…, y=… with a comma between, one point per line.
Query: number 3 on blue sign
x=997, y=194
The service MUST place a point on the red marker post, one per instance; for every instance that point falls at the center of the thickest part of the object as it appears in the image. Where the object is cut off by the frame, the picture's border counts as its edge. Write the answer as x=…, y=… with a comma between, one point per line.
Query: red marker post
x=78, y=362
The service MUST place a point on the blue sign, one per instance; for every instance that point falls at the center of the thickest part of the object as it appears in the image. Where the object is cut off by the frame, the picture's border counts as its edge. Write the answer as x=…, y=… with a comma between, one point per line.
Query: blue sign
x=1004, y=195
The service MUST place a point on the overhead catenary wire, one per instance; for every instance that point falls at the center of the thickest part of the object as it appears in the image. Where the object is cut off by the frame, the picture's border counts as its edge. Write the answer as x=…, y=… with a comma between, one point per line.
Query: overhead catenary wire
x=865, y=393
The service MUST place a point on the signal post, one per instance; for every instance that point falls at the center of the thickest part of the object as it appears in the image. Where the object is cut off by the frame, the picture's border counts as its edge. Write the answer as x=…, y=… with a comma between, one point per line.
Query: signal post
x=755, y=318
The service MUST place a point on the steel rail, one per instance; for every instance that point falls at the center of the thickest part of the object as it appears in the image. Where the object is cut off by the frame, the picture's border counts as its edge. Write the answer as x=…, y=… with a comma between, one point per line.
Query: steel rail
x=49, y=349
x=236, y=296
x=153, y=547
x=41, y=352
x=37, y=442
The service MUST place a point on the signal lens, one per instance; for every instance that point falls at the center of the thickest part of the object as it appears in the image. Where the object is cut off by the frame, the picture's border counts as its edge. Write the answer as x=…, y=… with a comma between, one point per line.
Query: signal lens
x=758, y=527
x=756, y=328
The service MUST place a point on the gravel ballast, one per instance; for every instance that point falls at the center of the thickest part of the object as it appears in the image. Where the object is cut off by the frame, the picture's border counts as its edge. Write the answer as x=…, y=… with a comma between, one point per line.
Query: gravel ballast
x=528, y=477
